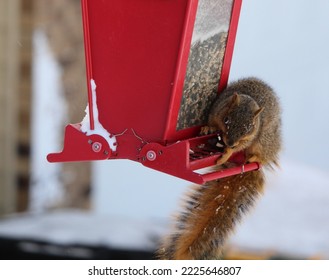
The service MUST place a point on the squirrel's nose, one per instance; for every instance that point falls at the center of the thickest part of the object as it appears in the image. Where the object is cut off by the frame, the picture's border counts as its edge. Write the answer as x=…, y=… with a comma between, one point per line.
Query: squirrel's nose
x=230, y=143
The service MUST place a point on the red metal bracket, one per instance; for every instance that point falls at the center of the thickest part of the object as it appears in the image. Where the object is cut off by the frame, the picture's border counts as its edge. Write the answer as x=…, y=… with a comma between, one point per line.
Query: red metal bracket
x=183, y=158
x=80, y=147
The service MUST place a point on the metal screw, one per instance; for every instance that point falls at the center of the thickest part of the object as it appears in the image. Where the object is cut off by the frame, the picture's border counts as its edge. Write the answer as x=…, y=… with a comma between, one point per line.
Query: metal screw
x=151, y=155
x=96, y=146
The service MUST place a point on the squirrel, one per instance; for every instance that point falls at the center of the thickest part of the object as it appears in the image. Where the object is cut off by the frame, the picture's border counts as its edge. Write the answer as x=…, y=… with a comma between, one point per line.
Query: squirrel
x=248, y=115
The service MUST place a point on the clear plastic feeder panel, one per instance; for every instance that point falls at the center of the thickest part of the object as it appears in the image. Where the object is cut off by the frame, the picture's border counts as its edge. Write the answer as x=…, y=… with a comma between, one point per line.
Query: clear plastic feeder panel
x=205, y=61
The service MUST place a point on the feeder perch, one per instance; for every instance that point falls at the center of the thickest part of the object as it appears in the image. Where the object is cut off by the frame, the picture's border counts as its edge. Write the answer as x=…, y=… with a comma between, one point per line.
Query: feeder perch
x=153, y=70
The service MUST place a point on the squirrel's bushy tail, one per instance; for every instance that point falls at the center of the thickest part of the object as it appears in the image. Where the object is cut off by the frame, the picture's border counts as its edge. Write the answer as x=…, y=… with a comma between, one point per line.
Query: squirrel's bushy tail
x=210, y=215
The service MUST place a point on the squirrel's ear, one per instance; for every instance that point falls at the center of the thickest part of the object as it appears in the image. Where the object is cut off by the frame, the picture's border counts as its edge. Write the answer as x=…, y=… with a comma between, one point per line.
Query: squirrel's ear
x=258, y=111
x=235, y=100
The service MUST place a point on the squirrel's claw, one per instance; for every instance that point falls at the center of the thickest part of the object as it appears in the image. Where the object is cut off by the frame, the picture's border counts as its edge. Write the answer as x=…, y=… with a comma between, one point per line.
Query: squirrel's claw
x=224, y=157
x=253, y=158
x=221, y=160
x=205, y=130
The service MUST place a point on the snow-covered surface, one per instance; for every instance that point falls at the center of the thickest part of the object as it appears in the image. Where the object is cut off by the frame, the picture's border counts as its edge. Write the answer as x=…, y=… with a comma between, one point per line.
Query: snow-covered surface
x=48, y=120
x=98, y=127
x=291, y=219
x=67, y=227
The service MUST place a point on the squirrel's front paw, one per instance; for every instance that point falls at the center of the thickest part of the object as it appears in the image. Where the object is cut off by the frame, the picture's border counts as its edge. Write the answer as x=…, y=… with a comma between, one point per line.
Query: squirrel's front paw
x=205, y=130
x=224, y=157
x=253, y=158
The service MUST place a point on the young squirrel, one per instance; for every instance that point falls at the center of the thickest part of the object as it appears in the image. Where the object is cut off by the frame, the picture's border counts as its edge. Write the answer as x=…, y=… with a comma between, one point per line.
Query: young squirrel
x=248, y=114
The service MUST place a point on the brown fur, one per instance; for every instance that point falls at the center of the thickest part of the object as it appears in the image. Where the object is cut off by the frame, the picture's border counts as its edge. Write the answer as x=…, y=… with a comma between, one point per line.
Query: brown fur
x=248, y=114
x=254, y=114
x=210, y=215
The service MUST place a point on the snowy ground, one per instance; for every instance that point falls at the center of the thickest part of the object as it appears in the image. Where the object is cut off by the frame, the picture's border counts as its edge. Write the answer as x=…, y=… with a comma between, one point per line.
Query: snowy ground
x=71, y=226
x=290, y=219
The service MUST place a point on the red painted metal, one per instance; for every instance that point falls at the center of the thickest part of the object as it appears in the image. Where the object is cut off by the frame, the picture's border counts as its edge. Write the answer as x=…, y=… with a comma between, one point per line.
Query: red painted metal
x=134, y=52
x=94, y=147
x=183, y=158
x=230, y=45
x=87, y=44
x=137, y=53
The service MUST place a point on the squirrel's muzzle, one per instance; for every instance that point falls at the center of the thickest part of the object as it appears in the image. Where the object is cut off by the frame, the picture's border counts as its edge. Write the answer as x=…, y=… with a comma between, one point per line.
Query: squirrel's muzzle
x=229, y=142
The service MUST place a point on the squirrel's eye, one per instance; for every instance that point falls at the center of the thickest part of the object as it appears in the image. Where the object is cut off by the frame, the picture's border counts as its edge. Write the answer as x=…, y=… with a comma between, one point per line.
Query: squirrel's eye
x=226, y=120
x=249, y=128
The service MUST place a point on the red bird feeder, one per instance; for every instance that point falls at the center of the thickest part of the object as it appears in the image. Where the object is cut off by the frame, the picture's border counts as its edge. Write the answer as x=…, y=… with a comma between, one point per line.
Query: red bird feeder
x=153, y=69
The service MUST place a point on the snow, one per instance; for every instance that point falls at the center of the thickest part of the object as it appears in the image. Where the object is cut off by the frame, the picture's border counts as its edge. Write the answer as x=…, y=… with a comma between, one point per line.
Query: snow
x=98, y=127
x=71, y=226
x=290, y=219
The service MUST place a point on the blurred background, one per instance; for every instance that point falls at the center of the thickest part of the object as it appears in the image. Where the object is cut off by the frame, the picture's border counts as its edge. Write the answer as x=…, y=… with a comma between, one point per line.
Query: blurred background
x=94, y=210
